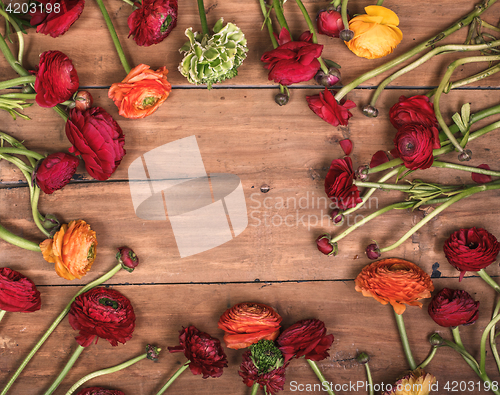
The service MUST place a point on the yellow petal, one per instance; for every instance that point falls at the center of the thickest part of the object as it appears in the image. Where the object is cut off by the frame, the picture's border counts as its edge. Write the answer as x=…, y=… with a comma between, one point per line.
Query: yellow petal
x=389, y=17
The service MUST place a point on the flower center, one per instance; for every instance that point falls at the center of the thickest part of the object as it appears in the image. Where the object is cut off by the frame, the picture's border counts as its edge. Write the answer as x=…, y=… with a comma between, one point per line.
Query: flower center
x=149, y=101
x=109, y=302
x=166, y=24
x=473, y=245
x=91, y=253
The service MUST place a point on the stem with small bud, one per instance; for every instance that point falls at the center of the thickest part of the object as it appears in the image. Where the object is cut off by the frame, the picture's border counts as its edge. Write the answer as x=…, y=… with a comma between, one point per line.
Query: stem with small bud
x=465, y=355
x=171, y=379
x=431, y=355
x=343, y=13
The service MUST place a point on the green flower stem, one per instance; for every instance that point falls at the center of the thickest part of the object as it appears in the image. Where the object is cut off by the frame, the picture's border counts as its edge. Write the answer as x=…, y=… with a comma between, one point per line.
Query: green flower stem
x=131, y=3
x=26, y=169
x=268, y=23
x=446, y=165
x=425, y=58
x=468, y=192
x=114, y=36
x=171, y=379
x=36, y=214
x=378, y=185
x=313, y=32
x=17, y=144
x=484, y=338
x=19, y=35
x=488, y=26
x=465, y=355
x=203, y=17
x=443, y=84
x=102, y=372
x=345, y=22
x=21, y=96
x=336, y=3
x=369, y=379
x=485, y=276
x=20, y=151
x=280, y=16
x=56, y=322
x=380, y=2
x=65, y=371
x=64, y=115
x=370, y=192
x=18, y=241
x=17, y=81
x=464, y=21
x=404, y=340
x=2, y=313
x=431, y=355
x=255, y=388
x=319, y=375
x=11, y=59
x=493, y=344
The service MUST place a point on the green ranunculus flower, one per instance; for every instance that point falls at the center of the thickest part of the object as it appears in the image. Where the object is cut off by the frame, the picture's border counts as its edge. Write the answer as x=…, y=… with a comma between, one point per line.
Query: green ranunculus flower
x=209, y=59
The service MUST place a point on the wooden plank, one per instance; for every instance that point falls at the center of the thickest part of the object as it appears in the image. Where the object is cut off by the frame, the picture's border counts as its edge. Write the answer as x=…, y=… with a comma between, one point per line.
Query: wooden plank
x=358, y=324
x=100, y=66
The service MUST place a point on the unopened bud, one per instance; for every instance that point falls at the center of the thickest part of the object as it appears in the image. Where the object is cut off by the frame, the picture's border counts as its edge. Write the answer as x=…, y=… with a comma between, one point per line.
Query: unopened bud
x=328, y=79
x=465, y=155
x=363, y=358
x=373, y=251
x=346, y=35
x=325, y=245
x=370, y=111
x=436, y=340
x=362, y=173
x=337, y=217
x=127, y=258
x=152, y=352
x=281, y=99
x=83, y=100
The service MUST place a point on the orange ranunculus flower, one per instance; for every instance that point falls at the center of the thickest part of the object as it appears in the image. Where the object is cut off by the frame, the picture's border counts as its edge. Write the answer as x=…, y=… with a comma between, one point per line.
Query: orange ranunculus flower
x=375, y=33
x=247, y=323
x=73, y=249
x=141, y=92
x=416, y=382
x=394, y=281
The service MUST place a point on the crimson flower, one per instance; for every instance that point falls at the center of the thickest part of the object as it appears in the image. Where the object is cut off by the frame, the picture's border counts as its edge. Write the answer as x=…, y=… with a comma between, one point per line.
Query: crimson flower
x=329, y=22
x=471, y=250
x=104, y=313
x=292, y=61
x=453, y=307
x=339, y=184
x=204, y=352
x=415, y=109
x=271, y=381
x=55, y=171
x=56, y=79
x=17, y=292
x=55, y=17
x=306, y=338
x=329, y=110
x=153, y=21
x=98, y=138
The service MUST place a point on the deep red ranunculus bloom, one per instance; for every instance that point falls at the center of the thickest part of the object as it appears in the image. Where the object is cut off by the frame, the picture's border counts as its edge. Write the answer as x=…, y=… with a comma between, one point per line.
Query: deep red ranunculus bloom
x=339, y=184
x=54, y=17
x=414, y=144
x=102, y=313
x=56, y=79
x=17, y=292
x=453, y=307
x=329, y=22
x=272, y=381
x=55, y=171
x=99, y=391
x=292, y=61
x=471, y=250
x=204, y=352
x=329, y=110
x=98, y=138
x=306, y=338
x=153, y=21
x=415, y=109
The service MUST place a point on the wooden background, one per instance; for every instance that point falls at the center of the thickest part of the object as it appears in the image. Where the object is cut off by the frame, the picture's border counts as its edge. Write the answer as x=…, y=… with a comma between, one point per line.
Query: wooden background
x=240, y=130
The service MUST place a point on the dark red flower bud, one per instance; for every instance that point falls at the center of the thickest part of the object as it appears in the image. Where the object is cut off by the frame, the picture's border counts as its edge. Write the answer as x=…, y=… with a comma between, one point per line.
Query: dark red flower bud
x=325, y=246
x=362, y=173
x=370, y=111
x=305, y=338
x=204, y=352
x=17, y=292
x=128, y=259
x=453, y=307
x=55, y=171
x=471, y=250
x=337, y=217
x=373, y=251
x=281, y=99
x=83, y=100
x=329, y=22
x=153, y=21
x=328, y=79
x=465, y=156
x=346, y=35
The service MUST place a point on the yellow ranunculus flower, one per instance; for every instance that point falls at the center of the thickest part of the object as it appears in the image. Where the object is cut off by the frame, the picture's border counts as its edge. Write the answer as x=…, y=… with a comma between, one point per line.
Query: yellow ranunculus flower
x=375, y=33
x=415, y=383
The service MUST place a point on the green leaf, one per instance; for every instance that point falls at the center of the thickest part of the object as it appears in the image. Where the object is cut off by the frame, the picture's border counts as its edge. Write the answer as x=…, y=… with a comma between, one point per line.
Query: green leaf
x=458, y=121
x=466, y=114
x=465, y=140
x=331, y=63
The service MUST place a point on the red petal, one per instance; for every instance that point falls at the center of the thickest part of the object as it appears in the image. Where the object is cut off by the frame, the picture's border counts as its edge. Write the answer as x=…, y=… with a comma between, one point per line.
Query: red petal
x=346, y=146
x=379, y=158
x=481, y=178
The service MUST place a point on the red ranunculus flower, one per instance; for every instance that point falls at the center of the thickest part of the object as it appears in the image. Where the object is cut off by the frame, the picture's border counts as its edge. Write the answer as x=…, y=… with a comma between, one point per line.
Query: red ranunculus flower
x=329, y=22
x=55, y=17
x=272, y=381
x=292, y=61
x=204, y=352
x=305, y=338
x=56, y=79
x=329, y=110
x=415, y=109
x=153, y=21
x=471, y=250
x=104, y=313
x=453, y=307
x=99, y=391
x=339, y=184
x=414, y=144
x=17, y=292
x=98, y=138
x=55, y=171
